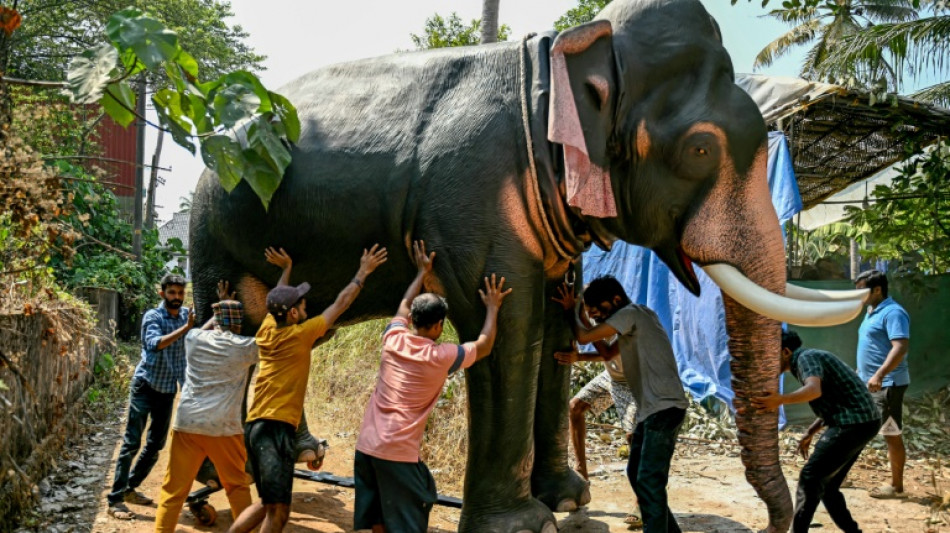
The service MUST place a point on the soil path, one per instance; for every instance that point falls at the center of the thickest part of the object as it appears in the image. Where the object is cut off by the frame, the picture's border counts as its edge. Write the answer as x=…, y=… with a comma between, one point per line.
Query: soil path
x=708, y=494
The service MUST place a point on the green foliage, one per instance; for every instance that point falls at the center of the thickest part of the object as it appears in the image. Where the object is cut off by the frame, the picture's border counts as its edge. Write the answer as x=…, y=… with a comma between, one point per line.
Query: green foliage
x=441, y=32
x=909, y=220
x=825, y=26
x=54, y=31
x=100, y=260
x=585, y=11
x=189, y=109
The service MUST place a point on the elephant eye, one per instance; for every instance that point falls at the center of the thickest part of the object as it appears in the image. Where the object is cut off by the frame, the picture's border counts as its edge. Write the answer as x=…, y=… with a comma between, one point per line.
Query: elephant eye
x=702, y=151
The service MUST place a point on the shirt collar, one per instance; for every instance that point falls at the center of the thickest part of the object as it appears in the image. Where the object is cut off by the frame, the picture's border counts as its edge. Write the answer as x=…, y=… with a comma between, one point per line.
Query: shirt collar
x=884, y=303
x=164, y=311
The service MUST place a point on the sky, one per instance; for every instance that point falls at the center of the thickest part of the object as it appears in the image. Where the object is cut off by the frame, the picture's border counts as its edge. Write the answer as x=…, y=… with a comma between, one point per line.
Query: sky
x=303, y=35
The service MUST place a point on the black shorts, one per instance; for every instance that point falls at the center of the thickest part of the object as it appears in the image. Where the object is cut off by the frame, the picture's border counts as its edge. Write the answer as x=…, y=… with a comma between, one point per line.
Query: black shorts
x=397, y=495
x=270, y=450
x=890, y=401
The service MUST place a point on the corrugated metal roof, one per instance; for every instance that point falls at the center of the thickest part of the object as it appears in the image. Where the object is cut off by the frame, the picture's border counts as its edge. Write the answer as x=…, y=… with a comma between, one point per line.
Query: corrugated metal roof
x=177, y=227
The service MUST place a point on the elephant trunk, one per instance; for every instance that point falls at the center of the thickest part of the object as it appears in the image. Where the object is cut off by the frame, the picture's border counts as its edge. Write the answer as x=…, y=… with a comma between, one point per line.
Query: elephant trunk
x=754, y=342
x=749, y=239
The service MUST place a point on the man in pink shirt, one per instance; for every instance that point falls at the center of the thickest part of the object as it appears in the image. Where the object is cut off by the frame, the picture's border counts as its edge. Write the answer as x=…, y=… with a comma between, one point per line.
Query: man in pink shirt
x=394, y=489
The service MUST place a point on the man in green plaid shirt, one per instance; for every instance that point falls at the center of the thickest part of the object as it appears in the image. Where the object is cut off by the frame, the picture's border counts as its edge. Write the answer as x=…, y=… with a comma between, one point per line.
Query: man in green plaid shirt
x=843, y=404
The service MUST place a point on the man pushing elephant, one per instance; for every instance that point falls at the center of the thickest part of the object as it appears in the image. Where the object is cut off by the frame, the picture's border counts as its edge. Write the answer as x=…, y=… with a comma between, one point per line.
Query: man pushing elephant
x=394, y=489
x=286, y=339
x=653, y=378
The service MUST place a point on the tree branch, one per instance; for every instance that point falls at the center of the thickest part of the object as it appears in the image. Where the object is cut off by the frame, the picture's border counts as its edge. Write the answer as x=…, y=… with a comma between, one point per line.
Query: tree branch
x=34, y=83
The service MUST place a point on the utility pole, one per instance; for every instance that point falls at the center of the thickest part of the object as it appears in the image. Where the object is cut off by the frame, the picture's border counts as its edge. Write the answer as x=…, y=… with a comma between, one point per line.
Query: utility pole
x=139, y=170
x=153, y=183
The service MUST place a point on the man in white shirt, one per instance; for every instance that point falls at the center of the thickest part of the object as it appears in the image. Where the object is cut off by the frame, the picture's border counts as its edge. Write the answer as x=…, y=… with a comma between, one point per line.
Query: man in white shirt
x=208, y=421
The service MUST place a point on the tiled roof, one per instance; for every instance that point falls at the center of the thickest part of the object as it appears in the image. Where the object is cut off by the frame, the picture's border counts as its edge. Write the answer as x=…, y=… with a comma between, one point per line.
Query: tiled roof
x=177, y=227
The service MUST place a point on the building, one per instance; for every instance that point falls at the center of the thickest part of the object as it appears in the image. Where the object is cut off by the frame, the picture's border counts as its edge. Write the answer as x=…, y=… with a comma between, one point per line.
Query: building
x=177, y=228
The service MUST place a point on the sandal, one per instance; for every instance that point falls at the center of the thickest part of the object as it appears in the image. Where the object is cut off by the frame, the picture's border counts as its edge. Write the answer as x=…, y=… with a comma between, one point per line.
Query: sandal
x=887, y=492
x=120, y=512
x=633, y=521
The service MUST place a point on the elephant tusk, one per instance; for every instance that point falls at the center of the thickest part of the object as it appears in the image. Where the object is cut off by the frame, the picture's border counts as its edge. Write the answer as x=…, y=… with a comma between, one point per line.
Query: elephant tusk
x=796, y=292
x=792, y=311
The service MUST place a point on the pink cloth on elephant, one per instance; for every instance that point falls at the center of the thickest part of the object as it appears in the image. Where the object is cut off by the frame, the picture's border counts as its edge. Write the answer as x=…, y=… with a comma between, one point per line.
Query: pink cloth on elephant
x=588, y=185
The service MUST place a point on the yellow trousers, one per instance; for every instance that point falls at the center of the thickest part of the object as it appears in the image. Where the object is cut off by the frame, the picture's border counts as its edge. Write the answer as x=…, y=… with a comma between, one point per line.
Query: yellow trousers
x=188, y=451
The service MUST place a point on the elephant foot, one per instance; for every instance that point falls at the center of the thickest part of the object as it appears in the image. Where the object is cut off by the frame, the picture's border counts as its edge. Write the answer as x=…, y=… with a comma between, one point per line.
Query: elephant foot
x=531, y=516
x=563, y=492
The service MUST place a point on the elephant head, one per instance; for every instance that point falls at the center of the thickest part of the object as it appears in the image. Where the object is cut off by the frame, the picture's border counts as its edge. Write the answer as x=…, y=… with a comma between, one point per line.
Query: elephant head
x=680, y=151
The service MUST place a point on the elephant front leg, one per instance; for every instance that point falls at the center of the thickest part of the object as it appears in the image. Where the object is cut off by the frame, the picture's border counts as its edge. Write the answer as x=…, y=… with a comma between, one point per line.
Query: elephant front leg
x=502, y=389
x=553, y=481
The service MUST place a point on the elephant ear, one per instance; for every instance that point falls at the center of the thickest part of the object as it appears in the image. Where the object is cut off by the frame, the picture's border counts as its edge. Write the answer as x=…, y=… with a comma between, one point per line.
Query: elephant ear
x=583, y=90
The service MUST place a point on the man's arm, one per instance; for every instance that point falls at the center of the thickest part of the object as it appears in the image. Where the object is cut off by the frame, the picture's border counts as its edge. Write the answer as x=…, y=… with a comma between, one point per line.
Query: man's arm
x=894, y=357
x=582, y=333
x=371, y=259
x=805, y=444
x=166, y=340
x=424, y=264
x=282, y=259
x=604, y=353
x=810, y=391
x=493, y=295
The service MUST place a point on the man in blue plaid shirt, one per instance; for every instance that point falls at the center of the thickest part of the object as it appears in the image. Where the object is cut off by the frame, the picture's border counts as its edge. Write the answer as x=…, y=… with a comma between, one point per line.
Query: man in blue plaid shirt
x=154, y=385
x=843, y=404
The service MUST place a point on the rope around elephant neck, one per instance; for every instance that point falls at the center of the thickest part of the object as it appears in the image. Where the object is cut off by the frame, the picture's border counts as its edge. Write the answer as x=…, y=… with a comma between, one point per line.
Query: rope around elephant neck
x=532, y=169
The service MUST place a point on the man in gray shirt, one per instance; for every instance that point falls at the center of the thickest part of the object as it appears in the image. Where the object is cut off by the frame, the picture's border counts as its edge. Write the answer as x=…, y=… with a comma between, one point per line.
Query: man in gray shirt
x=652, y=376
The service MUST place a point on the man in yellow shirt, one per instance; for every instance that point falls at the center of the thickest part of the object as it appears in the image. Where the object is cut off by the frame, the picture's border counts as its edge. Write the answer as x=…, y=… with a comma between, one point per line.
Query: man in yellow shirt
x=286, y=339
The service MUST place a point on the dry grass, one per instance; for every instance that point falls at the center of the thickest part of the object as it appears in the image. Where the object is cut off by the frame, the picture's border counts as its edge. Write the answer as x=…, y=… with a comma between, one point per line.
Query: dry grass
x=342, y=377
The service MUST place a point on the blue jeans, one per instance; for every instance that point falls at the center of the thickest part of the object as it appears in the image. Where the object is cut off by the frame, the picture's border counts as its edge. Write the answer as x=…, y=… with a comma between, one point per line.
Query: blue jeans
x=144, y=402
x=648, y=469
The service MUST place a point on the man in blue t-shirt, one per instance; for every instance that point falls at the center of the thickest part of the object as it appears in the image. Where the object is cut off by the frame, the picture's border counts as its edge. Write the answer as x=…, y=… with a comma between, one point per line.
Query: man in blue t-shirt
x=883, y=340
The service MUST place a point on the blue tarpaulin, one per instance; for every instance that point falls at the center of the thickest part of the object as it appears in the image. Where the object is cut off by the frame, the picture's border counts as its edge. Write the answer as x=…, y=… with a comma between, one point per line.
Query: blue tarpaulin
x=696, y=326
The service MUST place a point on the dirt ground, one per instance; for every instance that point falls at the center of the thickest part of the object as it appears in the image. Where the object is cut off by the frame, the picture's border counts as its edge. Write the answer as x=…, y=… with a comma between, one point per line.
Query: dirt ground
x=708, y=494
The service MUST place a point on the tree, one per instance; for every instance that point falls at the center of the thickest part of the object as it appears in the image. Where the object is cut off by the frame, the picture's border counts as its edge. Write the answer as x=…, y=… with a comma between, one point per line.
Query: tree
x=55, y=31
x=139, y=45
x=185, y=203
x=825, y=26
x=489, y=24
x=908, y=221
x=916, y=47
x=585, y=11
x=441, y=32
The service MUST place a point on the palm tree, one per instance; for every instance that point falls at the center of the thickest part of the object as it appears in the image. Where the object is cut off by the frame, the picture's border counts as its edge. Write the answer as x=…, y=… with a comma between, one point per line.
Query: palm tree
x=489, y=21
x=185, y=202
x=827, y=25
x=916, y=47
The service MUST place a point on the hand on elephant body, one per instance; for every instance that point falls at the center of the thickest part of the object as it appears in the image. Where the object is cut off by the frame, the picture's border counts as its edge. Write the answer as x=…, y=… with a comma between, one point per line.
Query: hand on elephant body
x=370, y=260
x=423, y=261
x=567, y=357
x=565, y=297
x=224, y=292
x=771, y=400
x=278, y=257
x=494, y=293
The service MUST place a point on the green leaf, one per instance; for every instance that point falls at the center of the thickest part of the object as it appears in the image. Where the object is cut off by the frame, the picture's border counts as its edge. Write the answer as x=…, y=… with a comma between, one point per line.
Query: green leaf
x=260, y=175
x=224, y=155
x=287, y=114
x=264, y=141
x=188, y=65
x=90, y=72
x=173, y=110
x=234, y=103
x=118, y=101
x=151, y=41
